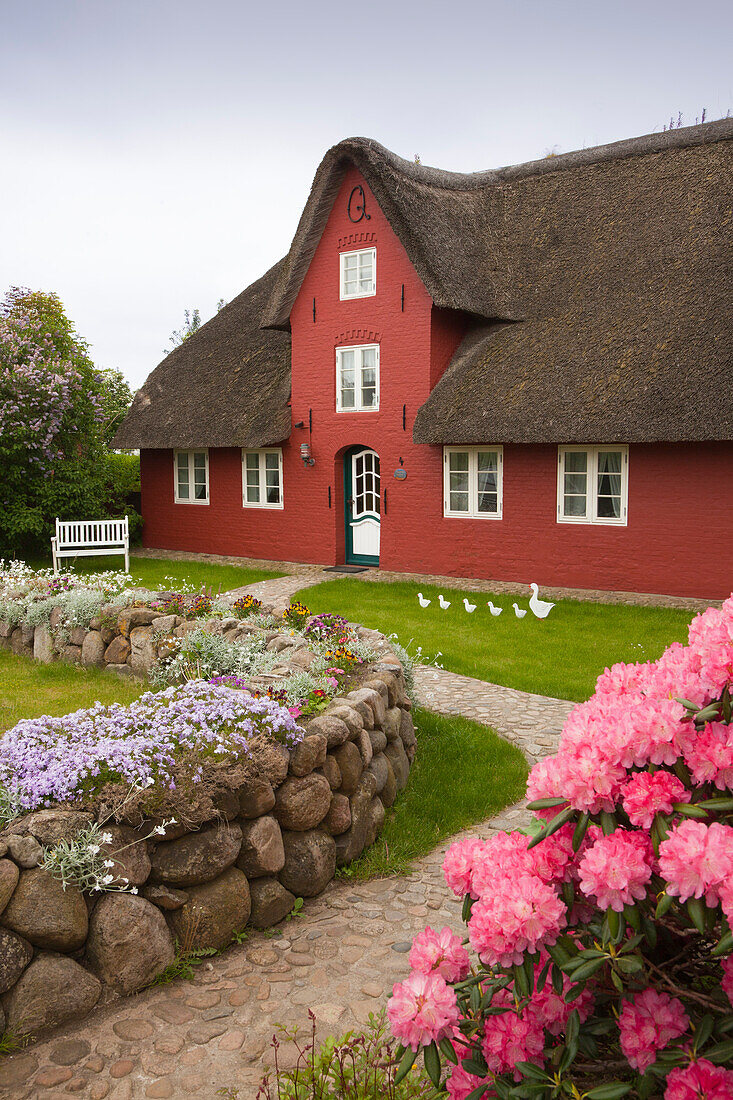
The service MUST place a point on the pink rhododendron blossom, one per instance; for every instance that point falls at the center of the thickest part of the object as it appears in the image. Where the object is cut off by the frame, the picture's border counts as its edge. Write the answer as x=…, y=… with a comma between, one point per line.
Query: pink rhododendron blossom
x=649, y=793
x=554, y=856
x=422, y=1010
x=699, y=1081
x=512, y=1037
x=725, y=890
x=710, y=755
x=458, y=864
x=696, y=860
x=504, y=854
x=551, y=1009
x=617, y=869
x=621, y=679
x=727, y=982
x=545, y=781
x=461, y=1084
x=440, y=952
x=523, y=914
x=711, y=643
x=648, y=1024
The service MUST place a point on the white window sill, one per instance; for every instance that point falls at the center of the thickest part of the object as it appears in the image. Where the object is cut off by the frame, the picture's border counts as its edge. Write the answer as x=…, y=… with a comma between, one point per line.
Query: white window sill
x=178, y=501
x=472, y=515
x=594, y=522
x=269, y=507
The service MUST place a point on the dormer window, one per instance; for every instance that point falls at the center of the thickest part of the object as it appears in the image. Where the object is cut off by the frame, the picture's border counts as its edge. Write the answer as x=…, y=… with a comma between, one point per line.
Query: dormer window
x=358, y=273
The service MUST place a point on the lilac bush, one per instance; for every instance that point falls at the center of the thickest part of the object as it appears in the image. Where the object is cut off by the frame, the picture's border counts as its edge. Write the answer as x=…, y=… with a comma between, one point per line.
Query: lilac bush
x=51, y=420
x=47, y=760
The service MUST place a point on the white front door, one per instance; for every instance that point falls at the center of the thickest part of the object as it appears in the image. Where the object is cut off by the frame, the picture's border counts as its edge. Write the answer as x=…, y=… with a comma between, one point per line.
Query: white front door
x=365, y=504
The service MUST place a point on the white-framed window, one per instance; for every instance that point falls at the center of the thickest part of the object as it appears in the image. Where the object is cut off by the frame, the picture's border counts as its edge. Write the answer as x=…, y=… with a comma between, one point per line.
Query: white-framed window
x=593, y=484
x=191, y=477
x=262, y=478
x=473, y=482
x=358, y=273
x=357, y=378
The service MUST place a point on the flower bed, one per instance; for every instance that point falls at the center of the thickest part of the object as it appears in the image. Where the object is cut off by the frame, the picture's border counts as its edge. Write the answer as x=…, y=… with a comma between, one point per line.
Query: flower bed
x=602, y=941
x=99, y=621
x=172, y=824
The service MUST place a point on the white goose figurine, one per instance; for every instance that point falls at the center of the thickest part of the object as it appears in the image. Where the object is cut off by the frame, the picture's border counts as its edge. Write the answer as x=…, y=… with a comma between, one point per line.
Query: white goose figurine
x=445, y=604
x=539, y=608
x=494, y=610
x=518, y=612
x=468, y=606
x=422, y=601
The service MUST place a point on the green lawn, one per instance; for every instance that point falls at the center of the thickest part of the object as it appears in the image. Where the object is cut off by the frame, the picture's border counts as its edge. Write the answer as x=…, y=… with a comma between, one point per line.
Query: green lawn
x=560, y=656
x=463, y=774
x=159, y=573
x=29, y=689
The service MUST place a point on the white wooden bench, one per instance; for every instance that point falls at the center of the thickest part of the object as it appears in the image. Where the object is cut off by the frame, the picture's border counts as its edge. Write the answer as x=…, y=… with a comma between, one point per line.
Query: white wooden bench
x=88, y=538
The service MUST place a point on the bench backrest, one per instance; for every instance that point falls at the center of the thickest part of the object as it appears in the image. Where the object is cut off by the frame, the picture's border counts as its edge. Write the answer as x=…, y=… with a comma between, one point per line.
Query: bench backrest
x=92, y=532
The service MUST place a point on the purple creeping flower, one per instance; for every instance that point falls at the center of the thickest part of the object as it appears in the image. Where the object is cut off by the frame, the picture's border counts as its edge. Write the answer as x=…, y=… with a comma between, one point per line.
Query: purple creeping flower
x=45, y=760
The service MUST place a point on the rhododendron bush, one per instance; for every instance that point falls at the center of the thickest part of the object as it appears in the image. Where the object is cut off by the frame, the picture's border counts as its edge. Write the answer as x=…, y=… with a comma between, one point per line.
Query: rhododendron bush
x=598, y=961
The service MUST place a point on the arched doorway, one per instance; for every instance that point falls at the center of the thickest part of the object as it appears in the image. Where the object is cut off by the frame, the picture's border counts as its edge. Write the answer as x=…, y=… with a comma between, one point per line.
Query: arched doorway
x=362, y=506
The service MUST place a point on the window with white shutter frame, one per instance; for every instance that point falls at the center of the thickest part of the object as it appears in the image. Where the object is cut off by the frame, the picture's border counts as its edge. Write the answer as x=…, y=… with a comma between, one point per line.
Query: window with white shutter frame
x=358, y=273
x=357, y=378
x=593, y=484
x=191, y=477
x=262, y=478
x=473, y=482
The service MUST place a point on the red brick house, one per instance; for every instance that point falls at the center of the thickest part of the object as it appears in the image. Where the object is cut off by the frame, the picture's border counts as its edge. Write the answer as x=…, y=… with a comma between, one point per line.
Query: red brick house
x=521, y=374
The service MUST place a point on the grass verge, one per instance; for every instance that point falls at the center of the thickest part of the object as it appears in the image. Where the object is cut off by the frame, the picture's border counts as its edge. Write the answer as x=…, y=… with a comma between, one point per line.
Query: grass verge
x=29, y=689
x=560, y=656
x=463, y=773
x=160, y=573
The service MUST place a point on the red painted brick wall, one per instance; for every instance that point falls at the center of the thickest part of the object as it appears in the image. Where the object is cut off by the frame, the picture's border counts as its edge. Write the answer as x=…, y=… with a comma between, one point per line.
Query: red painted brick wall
x=678, y=495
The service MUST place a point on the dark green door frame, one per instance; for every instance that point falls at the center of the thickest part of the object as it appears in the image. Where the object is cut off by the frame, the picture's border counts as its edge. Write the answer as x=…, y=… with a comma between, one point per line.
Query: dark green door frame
x=351, y=557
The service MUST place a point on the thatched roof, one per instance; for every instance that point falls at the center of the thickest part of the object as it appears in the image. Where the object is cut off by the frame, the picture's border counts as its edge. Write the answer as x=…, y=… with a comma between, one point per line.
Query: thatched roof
x=597, y=284
x=621, y=270
x=228, y=385
x=449, y=224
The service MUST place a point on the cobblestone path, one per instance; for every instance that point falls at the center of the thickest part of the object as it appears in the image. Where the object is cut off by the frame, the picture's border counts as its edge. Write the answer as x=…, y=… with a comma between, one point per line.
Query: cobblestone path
x=340, y=959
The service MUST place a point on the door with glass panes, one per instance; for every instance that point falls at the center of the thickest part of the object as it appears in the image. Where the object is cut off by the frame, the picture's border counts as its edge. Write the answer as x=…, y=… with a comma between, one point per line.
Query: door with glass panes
x=362, y=506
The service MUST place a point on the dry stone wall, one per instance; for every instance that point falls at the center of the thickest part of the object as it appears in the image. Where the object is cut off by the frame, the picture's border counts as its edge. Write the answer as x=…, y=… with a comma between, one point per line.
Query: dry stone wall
x=297, y=816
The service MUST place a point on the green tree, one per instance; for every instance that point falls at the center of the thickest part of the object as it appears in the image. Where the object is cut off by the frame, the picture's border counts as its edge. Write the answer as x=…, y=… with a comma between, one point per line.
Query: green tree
x=116, y=400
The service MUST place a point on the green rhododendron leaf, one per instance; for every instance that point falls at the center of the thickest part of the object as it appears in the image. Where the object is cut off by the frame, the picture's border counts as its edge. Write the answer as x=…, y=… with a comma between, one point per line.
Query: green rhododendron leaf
x=432, y=1063
x=612, y=1091
x=407, y=1061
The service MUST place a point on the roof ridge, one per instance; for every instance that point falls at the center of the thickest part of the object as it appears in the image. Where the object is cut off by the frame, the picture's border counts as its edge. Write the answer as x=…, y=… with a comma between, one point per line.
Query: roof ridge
x=642, y=145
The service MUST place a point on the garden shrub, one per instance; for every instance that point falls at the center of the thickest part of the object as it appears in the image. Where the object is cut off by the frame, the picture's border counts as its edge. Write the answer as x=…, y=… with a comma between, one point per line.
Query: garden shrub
x=602, y=942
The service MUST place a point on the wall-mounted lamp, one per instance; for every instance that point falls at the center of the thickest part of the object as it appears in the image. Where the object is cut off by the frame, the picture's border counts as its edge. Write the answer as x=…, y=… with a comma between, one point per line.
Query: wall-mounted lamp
x=305, y=454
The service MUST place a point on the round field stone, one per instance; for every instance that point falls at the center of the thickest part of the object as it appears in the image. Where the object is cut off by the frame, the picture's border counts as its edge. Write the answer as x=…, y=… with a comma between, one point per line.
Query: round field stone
x=213, y=912
x=129, y=942
x=45, y=914
x=70, y=1051
x=302, y=802
x=197, y=857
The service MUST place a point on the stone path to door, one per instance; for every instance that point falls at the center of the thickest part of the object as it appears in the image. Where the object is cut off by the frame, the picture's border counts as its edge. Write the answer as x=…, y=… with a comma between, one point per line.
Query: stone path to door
x=340, y=959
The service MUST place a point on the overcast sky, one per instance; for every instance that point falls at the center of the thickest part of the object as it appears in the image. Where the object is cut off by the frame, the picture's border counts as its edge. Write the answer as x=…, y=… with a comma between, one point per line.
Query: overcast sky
x=156, y=154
